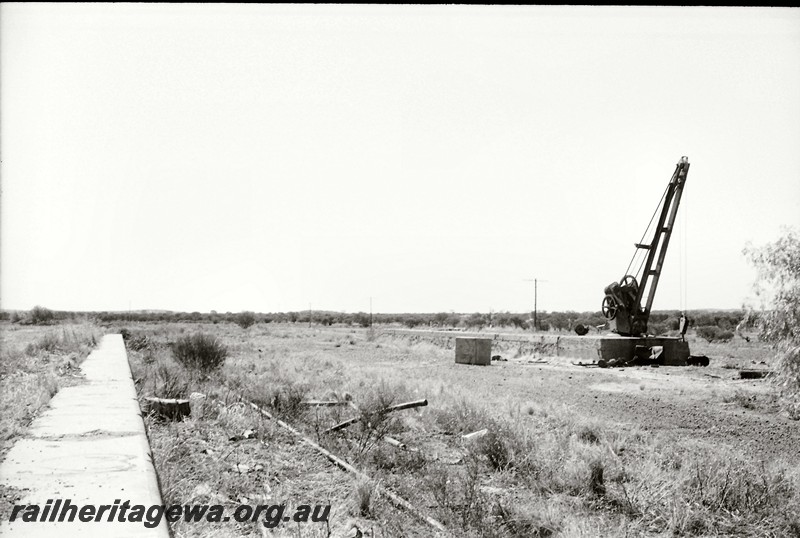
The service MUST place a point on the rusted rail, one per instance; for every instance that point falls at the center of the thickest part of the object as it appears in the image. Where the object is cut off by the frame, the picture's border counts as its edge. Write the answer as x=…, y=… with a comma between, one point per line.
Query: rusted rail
x=393, y=497
x=390, y=409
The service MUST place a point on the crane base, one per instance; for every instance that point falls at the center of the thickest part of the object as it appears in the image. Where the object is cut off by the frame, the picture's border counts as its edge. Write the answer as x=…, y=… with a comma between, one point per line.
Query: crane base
x=616, y=350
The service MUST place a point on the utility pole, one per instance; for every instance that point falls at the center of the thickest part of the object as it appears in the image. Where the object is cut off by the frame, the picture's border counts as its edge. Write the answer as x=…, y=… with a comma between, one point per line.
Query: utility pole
x=370, y=311
x=535, y=300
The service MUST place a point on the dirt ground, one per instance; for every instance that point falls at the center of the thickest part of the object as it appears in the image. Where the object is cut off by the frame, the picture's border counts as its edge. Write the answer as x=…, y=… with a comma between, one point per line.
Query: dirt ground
x=705, y=404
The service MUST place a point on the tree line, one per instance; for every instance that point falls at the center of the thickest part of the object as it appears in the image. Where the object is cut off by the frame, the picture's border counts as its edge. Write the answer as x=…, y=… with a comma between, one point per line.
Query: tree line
x=661, y=322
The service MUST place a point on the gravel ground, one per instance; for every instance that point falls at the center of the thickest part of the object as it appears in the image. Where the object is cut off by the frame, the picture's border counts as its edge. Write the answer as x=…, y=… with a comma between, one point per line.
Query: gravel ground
x=702, y=404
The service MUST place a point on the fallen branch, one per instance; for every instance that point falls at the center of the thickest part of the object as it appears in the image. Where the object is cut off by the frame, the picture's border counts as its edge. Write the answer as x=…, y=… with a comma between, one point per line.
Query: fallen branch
x=393, y=497
x=390, y=409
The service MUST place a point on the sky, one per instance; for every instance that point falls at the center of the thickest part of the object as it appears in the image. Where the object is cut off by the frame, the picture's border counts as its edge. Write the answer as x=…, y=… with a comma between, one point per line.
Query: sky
x=273, y=158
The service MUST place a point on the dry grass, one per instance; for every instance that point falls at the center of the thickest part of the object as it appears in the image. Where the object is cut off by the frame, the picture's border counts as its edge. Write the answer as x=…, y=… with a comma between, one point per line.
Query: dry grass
x=35, y=362
x=540, y=471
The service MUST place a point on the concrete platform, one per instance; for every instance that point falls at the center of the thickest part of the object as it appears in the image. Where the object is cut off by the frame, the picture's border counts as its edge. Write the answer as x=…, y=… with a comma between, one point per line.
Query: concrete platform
x=569, y=346
x=90, y=447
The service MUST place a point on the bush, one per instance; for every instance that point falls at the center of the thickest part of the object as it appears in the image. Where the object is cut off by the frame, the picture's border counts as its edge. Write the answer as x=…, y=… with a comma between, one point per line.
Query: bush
x=725, y=336
x=778, y=284
x=245, y=319
x=475, y=320
x=712, y=333
x=40, y=315
x=657, y=328
x=199, y=352
x=413, y=321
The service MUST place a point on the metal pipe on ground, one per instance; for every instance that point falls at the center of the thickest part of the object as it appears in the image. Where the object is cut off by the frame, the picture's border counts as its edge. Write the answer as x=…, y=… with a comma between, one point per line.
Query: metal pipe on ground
x=390, y=409
x=393, y=497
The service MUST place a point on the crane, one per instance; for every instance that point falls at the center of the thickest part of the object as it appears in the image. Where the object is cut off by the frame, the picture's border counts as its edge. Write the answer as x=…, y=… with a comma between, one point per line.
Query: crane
x=627, y=303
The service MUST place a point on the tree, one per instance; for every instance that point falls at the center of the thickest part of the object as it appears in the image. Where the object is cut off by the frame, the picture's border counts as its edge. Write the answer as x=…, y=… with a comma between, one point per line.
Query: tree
x=40, y=315
x=440, y=318
x=475, y=320
x=245, y=319
x=778, y=319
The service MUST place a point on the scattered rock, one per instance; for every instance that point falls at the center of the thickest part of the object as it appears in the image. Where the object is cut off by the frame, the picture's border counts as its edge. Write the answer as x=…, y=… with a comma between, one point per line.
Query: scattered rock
x=201, y=491
x=247, y=434
x=197, y=402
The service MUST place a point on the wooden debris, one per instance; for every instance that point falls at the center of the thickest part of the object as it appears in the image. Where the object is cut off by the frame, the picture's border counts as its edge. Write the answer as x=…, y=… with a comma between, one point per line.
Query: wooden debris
x=475, y=435
x=394, y=442
x=697, y=360
x=324, y=403
x=168, y=408
x=753, y=374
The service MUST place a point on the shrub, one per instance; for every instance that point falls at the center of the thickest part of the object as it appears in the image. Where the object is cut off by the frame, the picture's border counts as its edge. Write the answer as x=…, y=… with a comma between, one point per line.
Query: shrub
x=712, y=333
x=245, y=319
x=40, y=315
x=724, y=336
x=413, y=321
x=657, y=328
x=475, y=320
x=778, y=283
x=496, y=446
x=199, y=352
x=708, y=333
x=169, y=382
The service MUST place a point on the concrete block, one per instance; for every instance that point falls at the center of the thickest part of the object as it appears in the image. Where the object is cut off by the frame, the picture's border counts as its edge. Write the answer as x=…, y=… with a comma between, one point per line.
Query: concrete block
x=474, y=351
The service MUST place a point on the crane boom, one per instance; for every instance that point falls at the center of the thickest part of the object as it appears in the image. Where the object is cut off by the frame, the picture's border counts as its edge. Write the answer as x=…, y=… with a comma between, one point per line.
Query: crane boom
x=622, y=304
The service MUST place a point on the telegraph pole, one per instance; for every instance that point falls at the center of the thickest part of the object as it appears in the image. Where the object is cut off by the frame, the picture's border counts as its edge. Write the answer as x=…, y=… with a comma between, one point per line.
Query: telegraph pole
x=535, y=300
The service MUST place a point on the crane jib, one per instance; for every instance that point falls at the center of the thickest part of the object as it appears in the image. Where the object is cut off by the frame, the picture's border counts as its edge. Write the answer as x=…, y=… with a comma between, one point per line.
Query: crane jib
x=627, y=303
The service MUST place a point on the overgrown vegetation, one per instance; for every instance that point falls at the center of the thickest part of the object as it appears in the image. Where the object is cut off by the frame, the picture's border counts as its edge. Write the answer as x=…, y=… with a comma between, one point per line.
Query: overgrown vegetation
x=40, y=315
x=537, y=471
x=778, y=287
x=714, y=334
x=200, y=352
x=35, y=362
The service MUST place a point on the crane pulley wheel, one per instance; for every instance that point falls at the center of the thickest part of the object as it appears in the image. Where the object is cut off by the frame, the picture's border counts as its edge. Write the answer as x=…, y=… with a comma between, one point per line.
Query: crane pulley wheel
x=629, y=280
